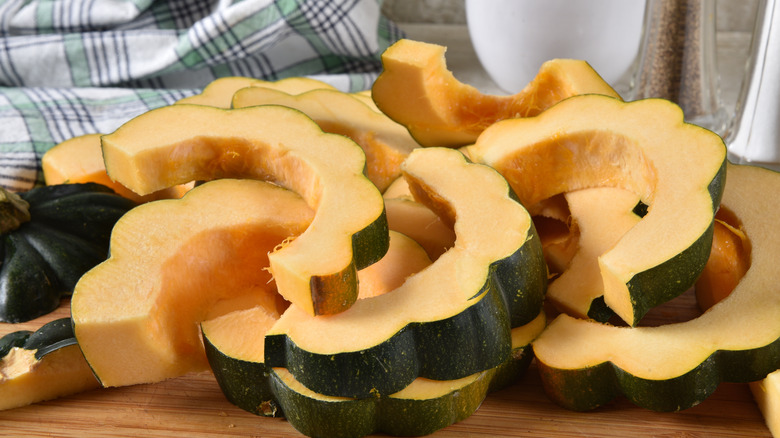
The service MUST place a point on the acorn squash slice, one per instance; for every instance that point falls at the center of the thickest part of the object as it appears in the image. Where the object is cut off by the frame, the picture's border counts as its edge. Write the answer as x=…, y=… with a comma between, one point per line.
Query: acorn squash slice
x=385, y=142
x=235, y=350
x=418, y=91
x=585, y=364
x=675, y=168
x=492, y=279
x=219, y=92
x=42, y=365
x=80, y=160
x=135, y=315
x=603, y=215
x=318, y=270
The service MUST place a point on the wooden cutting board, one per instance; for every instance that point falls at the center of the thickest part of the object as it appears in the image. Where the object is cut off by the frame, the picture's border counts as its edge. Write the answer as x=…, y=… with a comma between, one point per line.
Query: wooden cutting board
x=193, y=406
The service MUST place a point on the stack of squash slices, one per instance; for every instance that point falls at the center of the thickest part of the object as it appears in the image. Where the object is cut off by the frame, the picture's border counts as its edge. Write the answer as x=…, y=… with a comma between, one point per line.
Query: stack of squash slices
x=449, y=237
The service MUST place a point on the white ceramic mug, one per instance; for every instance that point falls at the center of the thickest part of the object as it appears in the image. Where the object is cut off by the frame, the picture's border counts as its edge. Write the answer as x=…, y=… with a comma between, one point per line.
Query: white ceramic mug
x=513, y=38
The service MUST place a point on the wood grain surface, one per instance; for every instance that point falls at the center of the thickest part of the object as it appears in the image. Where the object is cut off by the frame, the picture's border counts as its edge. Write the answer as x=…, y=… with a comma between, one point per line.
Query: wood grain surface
x=193, y=406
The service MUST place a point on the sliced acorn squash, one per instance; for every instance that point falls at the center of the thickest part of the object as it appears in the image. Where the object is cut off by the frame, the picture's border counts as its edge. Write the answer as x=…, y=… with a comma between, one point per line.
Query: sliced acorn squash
x=603, y=215
x=492, y=279
x=80, y=160
x=585, y=364
x=235, y=350
x=385, y=142
x=42, y=365
x=49, y=237
x=318, y=270
x=135, y=315
x=219, y=92
x=416, y=90
x=677, y=169
x=417, y=221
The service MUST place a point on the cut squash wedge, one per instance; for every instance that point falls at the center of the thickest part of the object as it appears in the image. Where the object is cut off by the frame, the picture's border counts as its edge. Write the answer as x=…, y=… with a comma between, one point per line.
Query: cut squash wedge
x=419, y=409
x=675, y=168
x=585, y=364
x=80, y=160
x=418, y=91
x=318, y=270
x=603, y=215
x=42, y=365
x=135, y=316
x=492, y=279
x=385, y=142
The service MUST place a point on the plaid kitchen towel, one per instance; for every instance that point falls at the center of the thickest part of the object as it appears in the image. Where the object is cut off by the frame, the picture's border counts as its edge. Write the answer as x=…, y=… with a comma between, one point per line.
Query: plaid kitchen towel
x=72, y=67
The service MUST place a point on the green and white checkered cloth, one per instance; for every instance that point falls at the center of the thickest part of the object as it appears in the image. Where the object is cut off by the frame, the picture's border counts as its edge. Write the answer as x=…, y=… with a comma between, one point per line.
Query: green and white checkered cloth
x=73, y=67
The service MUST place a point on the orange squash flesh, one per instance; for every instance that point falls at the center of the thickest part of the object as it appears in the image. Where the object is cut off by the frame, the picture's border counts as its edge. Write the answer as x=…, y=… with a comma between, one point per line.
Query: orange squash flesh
x=603, y=215
x=418, y=91
x=135, y=316
x=728, y=262
x=80, y=160
x=385, y=142
x=643, y=147
x=270, y=142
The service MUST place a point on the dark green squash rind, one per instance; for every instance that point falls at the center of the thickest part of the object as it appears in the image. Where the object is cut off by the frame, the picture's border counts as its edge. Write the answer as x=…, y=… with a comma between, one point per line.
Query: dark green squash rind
x=70, y=226
x=480, y=334
x=678, y=274
x=268, y=395
x=671, y=278
x=28, y=287
x=48, y=338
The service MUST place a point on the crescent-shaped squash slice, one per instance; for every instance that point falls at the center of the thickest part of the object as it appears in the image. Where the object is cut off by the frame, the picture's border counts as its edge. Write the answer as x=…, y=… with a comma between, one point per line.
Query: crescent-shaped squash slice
x=80, y=160
x=493, y=278
x=42, y=365
x=675, y=168
x=235, y=350
x=219, y=92
x=318, y=270
x=585, y=364
x=135, y=315
x=418, y=91
x=603, y=215
x=385, y=142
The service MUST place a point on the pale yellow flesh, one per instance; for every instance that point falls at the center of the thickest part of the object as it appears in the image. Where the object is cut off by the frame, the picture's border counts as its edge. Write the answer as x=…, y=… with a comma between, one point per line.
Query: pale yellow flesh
x=219, y=93
x=642, y=146
x=603, y=215
x=421, y=224
x=80, y=160
x=385, y=142
x=417, y=90
x=136, y=315
x=265, y=142
x=490, y=226
x=404, y=258
x=748, y=318
x=25, y=380
x=766, y=392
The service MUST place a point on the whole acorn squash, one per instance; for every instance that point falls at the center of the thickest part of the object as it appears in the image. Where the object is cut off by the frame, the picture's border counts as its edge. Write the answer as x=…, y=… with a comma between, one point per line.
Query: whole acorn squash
x=51, y=236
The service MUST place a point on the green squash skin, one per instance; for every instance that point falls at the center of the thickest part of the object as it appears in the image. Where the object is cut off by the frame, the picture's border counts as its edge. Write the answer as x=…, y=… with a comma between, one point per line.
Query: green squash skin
x=268, y=395
x=67, y=235
x=522, y=279
x=599, y=311
x=245, y=384
x=48, y=338
x=369, y=245
x=22, y=265
x=670, y=279
x=480, y=333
